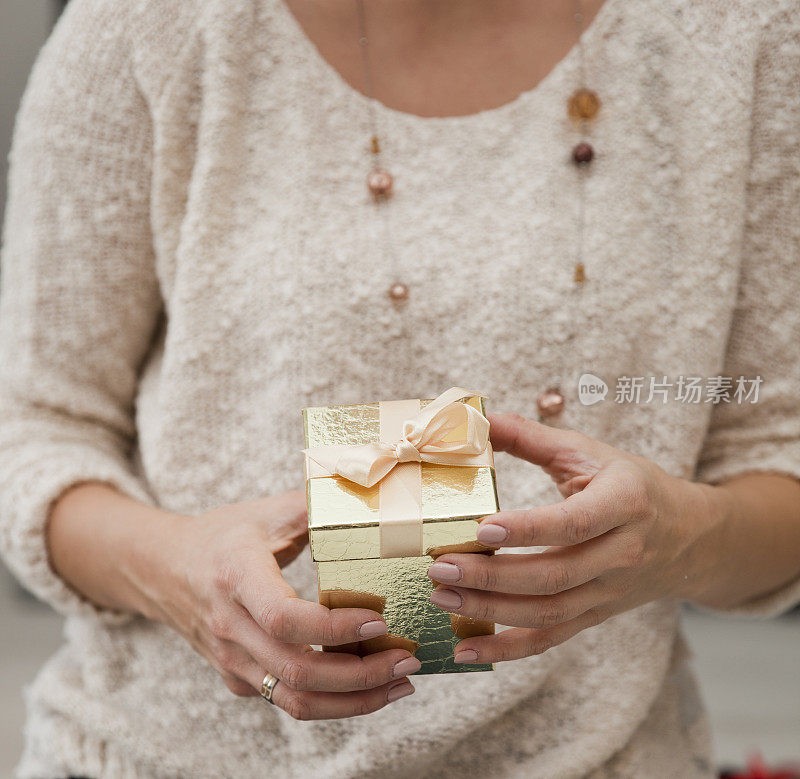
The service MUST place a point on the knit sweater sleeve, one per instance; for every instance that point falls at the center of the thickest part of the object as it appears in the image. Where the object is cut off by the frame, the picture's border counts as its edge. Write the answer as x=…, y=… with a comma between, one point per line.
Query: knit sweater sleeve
x=80, y=301
x=764, y=436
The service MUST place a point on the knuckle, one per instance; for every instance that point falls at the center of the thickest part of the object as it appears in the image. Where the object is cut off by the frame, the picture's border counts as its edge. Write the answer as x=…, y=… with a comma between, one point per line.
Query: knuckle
x=219, y=624
x=363, y=706
x=227, y=577
x=551, y=614
x=298, y=707
x=477, y=608
x=578, y=525
x=226, y=658
x=635, y=552
x=638, y=496
x=329, y=630
x=517, y=419
x=574, y=439
x=364, y=677
x=297, y=675
x=499, y=653
x=275, y=620
x=540, y=644
x=597, y=615
x=615, y=587
x=527, y=530
x=555, y=578
x=509, y=647
x=519, y=425
x=484, y=575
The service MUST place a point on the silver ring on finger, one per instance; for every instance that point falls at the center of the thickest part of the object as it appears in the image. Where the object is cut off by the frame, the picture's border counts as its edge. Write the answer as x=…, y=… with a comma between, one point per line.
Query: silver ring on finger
x=268, y=687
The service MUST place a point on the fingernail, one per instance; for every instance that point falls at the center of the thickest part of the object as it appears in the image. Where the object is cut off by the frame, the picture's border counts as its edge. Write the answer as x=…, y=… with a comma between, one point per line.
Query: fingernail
x=492, y=534
x=399, y=690
x=405, y=667
x=446, y=599
x=444, y=572
x=373, y=629
x=466, y=656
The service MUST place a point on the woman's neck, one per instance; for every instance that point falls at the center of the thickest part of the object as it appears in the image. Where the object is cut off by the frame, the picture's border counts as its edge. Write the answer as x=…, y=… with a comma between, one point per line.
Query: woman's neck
x=444, y=57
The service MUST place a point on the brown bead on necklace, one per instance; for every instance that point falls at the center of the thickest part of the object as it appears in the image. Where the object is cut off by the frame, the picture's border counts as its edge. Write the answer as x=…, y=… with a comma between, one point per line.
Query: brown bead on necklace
x=582, y=153
x=584, y=104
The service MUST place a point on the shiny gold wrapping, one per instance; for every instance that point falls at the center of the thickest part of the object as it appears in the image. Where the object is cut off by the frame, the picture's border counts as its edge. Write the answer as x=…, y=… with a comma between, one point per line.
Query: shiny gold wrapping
x=345, y=542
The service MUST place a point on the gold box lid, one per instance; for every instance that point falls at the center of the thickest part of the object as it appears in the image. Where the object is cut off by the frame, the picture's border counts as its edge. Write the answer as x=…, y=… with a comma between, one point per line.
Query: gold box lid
x=343, y=517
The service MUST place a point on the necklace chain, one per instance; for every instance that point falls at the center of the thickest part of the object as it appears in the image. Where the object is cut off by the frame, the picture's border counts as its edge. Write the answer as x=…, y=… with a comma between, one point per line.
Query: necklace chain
x=579, y=273
x=379, y=181
x=366, y=67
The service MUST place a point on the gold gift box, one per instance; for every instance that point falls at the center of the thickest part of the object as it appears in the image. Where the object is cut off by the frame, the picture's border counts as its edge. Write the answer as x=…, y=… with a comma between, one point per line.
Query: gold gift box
x=344, y=532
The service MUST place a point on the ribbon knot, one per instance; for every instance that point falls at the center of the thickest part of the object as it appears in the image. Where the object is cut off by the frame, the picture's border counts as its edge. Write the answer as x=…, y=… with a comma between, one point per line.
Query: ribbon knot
x=447, y=432
x=406, y=452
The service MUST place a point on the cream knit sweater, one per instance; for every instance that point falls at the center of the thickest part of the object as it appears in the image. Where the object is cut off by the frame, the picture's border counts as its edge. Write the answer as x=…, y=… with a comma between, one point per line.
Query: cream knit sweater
x=189, y=249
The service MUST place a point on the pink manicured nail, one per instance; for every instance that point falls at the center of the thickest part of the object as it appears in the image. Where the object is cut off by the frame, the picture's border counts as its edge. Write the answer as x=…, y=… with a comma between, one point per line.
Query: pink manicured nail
x=446, y=599
x=492, y=534
x=373, y=629
x=444, y=572
x=466, y=656
x=399, y=690
x=405, y=667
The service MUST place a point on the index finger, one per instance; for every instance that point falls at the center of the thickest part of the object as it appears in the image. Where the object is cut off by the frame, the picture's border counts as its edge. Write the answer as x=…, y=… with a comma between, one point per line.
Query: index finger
x=277, y=609
x=525, y=438
x=575, y=519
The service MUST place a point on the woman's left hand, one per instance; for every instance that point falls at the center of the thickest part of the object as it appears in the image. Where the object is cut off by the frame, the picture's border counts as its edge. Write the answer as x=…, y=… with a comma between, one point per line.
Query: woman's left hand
x=627, y=533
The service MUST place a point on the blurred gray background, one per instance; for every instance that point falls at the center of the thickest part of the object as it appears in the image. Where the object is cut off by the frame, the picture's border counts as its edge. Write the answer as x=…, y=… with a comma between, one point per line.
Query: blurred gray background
x=749, y=670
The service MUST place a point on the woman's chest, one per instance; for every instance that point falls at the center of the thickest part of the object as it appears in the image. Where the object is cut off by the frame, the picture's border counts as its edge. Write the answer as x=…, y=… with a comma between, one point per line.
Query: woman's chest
x=283, y=261
x=275, y=261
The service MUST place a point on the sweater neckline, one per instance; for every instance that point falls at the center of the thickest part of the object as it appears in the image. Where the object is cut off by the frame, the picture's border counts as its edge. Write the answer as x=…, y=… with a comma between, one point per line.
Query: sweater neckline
x=331, y=79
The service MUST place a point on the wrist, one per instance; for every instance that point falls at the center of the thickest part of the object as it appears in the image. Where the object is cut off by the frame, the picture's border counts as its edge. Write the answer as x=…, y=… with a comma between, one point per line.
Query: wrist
x=152, y=567
x=712, y=511
x=110, y=548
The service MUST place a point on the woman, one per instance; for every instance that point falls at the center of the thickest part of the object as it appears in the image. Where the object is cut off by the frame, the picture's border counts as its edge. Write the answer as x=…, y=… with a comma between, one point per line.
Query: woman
x=192, y=256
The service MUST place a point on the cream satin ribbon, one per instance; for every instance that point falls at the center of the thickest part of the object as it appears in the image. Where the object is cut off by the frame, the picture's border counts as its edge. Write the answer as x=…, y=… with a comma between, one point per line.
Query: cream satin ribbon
x=445, y=432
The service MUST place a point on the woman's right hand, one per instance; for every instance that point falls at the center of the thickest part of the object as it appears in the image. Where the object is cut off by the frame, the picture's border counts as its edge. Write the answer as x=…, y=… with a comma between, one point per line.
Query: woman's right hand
x=228, y=598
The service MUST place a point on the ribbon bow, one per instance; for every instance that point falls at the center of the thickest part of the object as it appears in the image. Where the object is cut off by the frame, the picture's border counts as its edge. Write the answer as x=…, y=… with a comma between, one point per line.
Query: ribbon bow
x=446, y=432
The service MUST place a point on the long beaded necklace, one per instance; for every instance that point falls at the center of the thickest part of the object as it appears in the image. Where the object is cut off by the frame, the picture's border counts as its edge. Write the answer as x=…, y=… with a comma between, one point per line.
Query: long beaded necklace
x=582, y=107
x=379, y=180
